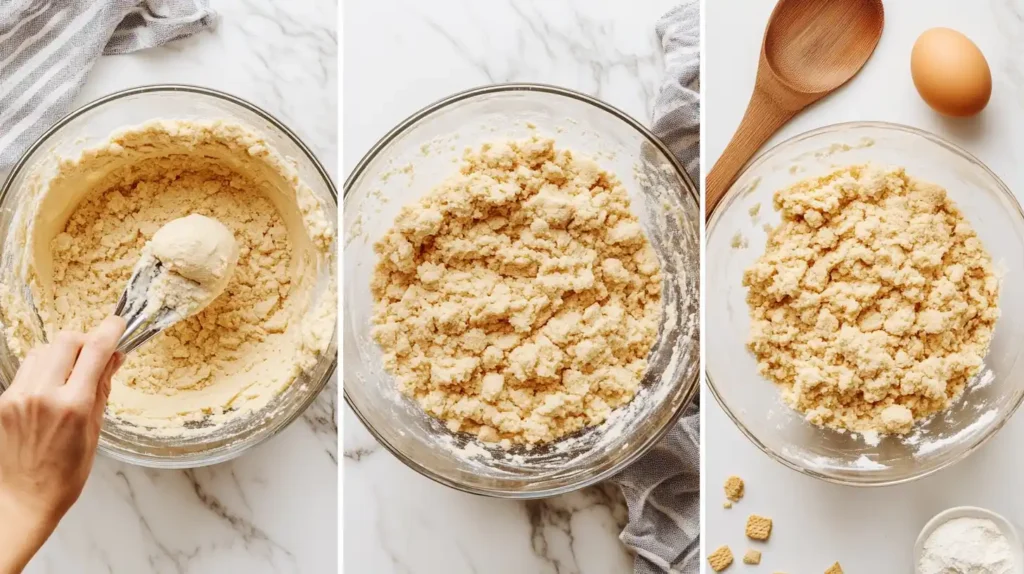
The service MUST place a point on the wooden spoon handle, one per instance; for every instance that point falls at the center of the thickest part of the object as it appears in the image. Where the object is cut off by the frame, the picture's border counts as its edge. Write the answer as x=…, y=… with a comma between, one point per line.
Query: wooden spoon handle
x=763, y=118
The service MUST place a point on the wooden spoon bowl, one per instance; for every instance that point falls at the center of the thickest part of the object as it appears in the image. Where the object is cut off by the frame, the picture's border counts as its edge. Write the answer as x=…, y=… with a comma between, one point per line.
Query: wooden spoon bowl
x=810, y=48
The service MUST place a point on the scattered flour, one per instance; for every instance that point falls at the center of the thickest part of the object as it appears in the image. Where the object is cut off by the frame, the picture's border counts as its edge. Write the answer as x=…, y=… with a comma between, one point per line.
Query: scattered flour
x=926, y=447
x=865, y=463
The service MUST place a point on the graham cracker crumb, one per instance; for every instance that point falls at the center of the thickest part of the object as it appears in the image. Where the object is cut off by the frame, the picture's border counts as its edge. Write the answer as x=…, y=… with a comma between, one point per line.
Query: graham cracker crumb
x=752, y=557
x=759, y=527
x=834, y=569
x=727, y=505
x=720, y=559
x=734, y=488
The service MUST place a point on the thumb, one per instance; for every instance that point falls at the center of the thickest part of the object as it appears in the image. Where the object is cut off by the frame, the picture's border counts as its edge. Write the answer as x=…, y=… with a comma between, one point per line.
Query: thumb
x=94, y=359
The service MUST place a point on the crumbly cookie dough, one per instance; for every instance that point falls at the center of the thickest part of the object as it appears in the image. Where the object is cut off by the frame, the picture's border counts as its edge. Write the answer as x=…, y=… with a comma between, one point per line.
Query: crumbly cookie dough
x=520, y=298
x=85, y=228
x=874, y=302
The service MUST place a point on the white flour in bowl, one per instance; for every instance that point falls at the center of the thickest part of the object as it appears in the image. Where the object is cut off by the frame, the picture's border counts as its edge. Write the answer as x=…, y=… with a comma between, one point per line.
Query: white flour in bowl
x=966, y=546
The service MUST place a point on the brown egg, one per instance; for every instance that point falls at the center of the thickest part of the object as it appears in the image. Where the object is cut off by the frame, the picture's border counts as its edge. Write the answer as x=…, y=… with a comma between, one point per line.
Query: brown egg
x=950, y=72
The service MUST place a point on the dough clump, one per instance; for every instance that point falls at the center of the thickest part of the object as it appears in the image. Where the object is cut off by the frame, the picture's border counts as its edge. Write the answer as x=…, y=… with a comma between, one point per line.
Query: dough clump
x=198, y=255
x=519, y=299
x=196, y=247
x=874, y=302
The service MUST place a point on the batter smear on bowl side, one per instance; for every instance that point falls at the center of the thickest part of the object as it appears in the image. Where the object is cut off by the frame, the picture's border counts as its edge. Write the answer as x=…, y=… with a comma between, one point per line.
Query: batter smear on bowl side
x=875, y=301
x=520, y=298
x=84, y=228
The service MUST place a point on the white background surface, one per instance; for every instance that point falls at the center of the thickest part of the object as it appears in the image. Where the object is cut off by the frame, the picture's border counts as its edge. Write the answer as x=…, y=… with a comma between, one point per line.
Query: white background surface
x=401, y=55
x=816, y=524
x=274, y=510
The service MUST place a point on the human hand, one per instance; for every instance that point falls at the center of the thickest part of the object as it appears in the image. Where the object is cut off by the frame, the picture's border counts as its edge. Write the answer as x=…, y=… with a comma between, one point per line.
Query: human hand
x=50, y=420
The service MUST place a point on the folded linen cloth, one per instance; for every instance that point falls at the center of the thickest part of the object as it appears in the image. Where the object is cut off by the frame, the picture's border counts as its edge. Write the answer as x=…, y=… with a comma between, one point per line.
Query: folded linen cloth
x=662, y=489
x=47, y=48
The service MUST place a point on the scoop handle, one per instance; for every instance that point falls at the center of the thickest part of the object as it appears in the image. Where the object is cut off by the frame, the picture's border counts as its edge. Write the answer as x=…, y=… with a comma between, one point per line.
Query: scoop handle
x=141, y=323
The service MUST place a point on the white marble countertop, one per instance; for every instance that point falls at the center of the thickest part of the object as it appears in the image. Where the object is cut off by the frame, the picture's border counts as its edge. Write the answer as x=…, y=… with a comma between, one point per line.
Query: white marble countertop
x=273, y=510
x=866, y=530
x=401, y=55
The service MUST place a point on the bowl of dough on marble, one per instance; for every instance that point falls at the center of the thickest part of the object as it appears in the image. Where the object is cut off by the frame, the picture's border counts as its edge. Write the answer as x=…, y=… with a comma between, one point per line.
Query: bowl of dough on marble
x=521, y=290
x=860, y=315
x=240, y=213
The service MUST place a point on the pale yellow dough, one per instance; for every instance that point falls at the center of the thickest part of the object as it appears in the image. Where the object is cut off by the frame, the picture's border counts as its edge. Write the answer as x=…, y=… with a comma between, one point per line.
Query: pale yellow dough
x=86, y=226
x=198, y=255
x=197, y=247
x=874, y=302
x=519, y=299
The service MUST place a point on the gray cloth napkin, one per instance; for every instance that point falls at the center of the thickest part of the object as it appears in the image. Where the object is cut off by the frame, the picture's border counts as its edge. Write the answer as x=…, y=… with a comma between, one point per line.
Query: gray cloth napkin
x=47, y=48
x=662, y=489
x=677, y=108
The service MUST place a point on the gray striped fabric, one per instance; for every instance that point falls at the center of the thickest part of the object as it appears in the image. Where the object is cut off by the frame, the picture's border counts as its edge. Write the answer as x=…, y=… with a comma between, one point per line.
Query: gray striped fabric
x=677, y=108
x=47, y=48
x=662, y=489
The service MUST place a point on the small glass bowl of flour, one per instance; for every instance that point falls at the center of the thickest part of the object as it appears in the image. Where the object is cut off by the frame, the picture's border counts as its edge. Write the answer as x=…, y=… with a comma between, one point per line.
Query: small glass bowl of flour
x=969, y=540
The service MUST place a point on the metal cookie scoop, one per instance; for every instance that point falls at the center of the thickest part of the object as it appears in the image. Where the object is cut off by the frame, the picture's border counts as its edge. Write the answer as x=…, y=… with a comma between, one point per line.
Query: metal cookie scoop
x=143, y=323
x=185, y=266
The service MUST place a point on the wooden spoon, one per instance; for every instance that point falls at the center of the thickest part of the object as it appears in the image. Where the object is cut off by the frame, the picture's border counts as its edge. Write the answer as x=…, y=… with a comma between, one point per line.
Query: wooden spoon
x=810, y=48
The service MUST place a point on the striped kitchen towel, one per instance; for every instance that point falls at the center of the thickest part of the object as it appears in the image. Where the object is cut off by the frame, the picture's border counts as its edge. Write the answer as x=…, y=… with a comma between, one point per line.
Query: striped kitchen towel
x=47, y=48
x=662, y=489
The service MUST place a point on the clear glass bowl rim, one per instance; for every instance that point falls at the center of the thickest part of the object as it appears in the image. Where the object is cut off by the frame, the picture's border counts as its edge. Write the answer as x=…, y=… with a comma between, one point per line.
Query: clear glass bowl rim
x=735, y=192
x=193, y=460
x=692, y=385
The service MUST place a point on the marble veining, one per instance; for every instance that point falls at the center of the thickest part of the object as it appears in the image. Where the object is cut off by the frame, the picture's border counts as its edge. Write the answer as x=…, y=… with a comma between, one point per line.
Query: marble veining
x=577, y=40
x=397, y=521
x=401, y=55
x=423, y=52
x=274, y=510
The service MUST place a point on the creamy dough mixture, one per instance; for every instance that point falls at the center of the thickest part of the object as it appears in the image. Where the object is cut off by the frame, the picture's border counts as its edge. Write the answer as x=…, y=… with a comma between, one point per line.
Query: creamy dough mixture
x=520, y=298
x=874, y=302
x=86, y=226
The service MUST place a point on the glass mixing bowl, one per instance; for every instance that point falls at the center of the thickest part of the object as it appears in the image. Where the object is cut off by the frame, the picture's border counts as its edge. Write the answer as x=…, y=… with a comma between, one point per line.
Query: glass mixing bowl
x=91, y=125
x=424, y=150
x=754, y=403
